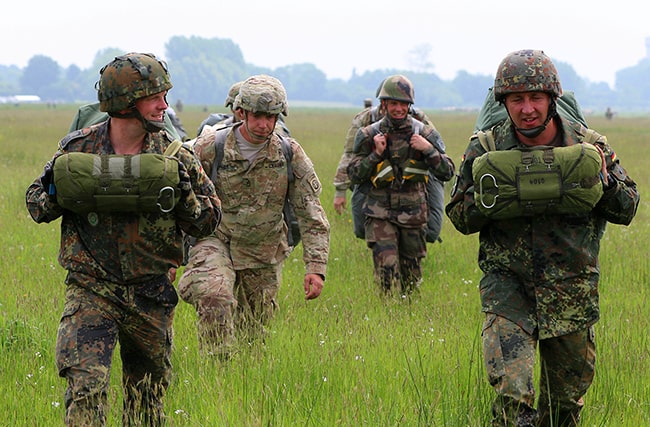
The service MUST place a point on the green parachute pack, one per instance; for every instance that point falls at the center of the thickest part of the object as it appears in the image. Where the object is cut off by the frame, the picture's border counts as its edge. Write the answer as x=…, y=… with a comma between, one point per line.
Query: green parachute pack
x=539, y=180
x=87, y=182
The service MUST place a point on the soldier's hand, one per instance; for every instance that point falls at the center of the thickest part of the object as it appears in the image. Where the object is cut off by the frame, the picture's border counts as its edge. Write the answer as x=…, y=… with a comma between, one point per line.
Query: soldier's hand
x=603, y=170
x=340, y=204
x=313, y=286
x=379, y=143
x=420, y=143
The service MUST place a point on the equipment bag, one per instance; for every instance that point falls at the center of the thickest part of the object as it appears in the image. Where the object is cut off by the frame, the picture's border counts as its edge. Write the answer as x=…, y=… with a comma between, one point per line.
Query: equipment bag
x=293, y=230
x=539, y=180
x=148, y=182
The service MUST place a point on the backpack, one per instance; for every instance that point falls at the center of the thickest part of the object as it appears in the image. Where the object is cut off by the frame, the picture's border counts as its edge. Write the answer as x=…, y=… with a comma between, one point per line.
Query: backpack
x=435, y=199
x=293, y=230
x=89, y=114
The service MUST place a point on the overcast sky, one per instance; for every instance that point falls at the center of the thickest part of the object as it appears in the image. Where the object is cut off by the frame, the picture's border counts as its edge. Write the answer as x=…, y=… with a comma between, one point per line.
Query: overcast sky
x=597, y=37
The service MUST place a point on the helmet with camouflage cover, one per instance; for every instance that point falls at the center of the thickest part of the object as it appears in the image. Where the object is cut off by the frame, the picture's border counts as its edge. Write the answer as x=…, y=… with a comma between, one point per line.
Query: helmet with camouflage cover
x=232, y=94
x=128, y=78
x=398, y=88
x=262, y=94
x=526, y=71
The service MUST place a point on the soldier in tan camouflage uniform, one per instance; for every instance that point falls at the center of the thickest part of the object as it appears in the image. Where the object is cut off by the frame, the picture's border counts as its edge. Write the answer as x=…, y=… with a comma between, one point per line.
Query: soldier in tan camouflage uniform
x=394, y=157
x=540, y=272
x=342, y=182
x=117, y=259
x=233, y=277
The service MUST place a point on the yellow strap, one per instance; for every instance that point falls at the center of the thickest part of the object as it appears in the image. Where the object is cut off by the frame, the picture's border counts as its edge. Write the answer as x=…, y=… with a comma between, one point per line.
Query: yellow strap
x=486, y=138
x=173, y=148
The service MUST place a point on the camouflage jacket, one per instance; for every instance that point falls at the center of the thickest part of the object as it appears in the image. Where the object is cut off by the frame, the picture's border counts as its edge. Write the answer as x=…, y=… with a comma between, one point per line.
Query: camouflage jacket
x=119, y=247
x=252, y=197
x=362, y=119
x=403, y=201
x=541, y=272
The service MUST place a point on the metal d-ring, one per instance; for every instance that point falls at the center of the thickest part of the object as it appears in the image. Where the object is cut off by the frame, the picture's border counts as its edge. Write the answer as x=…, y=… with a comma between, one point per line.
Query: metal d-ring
x=480, y=192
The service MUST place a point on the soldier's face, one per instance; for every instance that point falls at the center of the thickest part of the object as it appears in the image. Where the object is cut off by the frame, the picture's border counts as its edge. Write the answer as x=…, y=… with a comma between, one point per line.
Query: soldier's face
x=153, y=107
x=528, y=109
x=396, y=109
x=259, y=126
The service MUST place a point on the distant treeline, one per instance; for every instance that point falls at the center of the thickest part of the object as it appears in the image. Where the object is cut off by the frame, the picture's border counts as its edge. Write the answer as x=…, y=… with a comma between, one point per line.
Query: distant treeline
x=203, y=70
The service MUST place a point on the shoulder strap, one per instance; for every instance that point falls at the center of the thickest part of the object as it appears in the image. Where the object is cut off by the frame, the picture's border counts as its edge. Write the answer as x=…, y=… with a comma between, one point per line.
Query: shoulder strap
x=220, y=142
x=173, y=148
x=591, y=136
x=486, y=138
x=288, y=154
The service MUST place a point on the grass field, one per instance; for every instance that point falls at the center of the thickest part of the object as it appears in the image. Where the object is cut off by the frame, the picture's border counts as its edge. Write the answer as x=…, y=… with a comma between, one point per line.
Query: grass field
x=349, y=358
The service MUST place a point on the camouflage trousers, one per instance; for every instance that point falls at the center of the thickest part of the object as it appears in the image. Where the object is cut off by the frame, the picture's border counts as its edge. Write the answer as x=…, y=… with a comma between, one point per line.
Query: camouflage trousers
x=231, y=305
x=567, y=371
x=397, y=254
x=96, y=315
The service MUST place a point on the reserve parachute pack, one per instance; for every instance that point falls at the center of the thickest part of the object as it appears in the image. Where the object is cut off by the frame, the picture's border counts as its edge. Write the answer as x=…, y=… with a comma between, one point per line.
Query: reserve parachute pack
x=293, y=230
x=538, y=180
x=107, y=183
x=435, y=200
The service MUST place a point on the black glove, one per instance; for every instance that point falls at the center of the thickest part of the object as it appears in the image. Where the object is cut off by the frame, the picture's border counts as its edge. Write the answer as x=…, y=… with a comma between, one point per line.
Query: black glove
x=185, y=183
x=47, y=178
x=189, y=205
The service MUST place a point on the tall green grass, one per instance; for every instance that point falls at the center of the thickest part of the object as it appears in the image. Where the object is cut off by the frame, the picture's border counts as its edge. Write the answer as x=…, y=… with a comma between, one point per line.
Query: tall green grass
x=349, y=358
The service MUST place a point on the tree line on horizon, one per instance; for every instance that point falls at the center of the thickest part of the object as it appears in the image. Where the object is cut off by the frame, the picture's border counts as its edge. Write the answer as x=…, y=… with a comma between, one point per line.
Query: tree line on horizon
x=203, y=70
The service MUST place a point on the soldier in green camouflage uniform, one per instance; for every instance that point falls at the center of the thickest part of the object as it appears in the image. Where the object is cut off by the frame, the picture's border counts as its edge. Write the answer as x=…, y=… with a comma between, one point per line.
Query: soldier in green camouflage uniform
x=232, y=278
x=364, y=118
x=393, y=157
x=117, y=283
x=540, y=273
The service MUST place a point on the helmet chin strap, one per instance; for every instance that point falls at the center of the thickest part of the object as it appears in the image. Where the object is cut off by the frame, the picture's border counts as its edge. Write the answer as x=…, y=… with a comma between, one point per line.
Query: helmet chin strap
x=534, y=132
x=148, y=125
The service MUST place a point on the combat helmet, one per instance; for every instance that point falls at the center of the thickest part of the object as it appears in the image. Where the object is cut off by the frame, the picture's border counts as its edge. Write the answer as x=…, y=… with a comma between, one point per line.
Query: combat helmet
x=526, y=71
x=262, y=94
x=398, y=88
x=128, y=78
x=232, y=94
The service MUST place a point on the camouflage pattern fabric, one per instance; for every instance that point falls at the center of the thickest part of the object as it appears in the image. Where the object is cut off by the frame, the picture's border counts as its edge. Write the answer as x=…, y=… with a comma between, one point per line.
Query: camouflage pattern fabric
x=231, y=305
x=397, y=213
x=117, y=269
x=568, y=367
x=364, y=118
x=535, y=271
x=252, y=237
x=540, y=280
x=95, y=313
x=124, y=248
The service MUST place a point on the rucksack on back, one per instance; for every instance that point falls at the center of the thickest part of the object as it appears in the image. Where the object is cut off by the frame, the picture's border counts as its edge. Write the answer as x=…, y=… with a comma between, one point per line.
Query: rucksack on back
x=89, y=114
x=492, y=112
x=435, y=200
x=293, y=230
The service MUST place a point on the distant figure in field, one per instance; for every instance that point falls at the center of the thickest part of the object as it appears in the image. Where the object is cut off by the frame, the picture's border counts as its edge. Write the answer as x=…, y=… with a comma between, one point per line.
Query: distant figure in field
x=367, y=103
x=609, y=113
